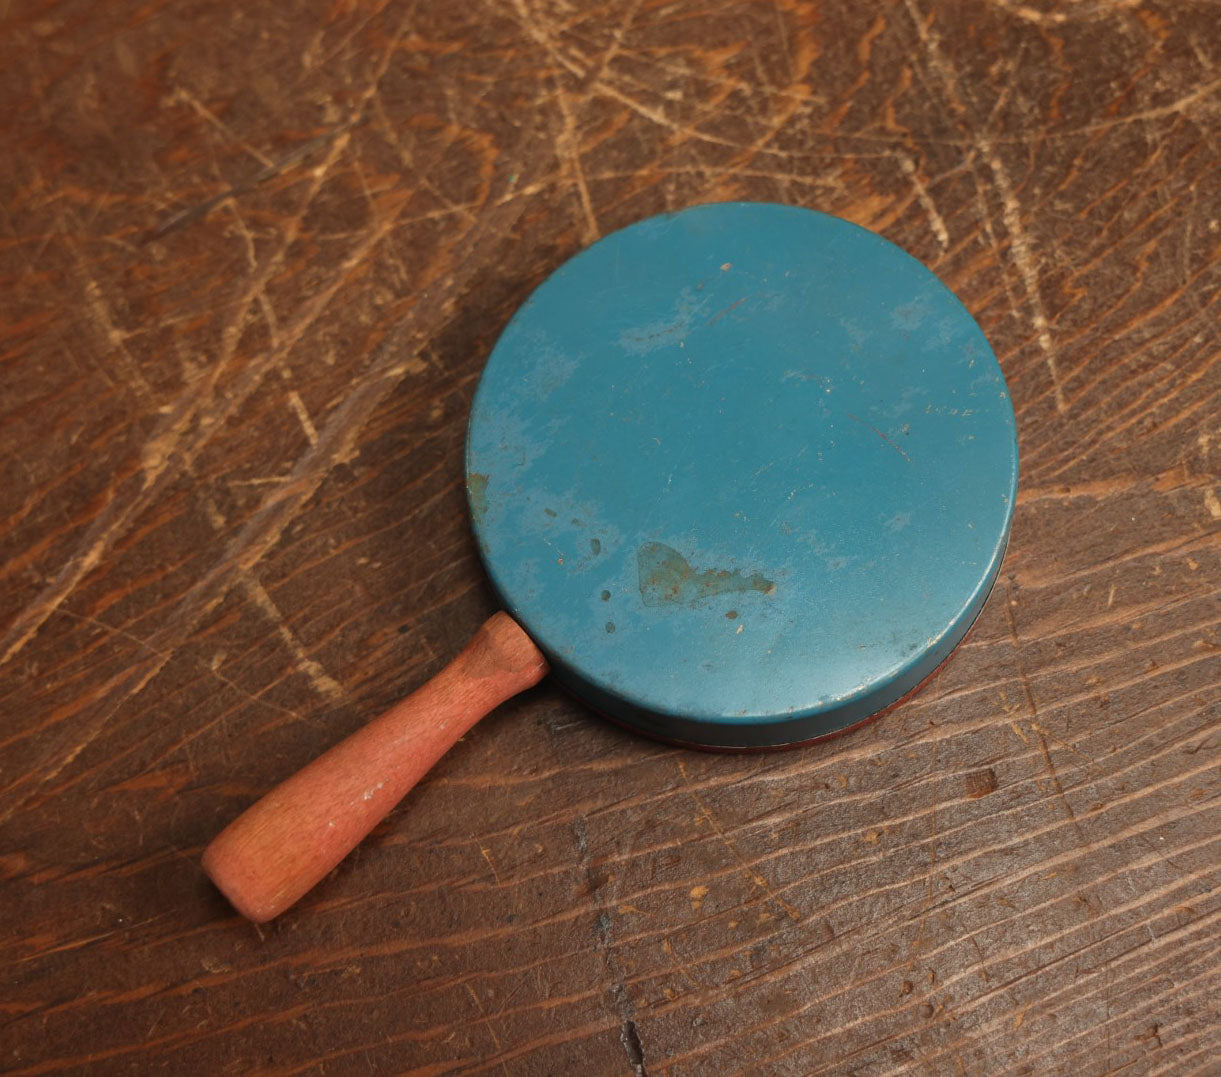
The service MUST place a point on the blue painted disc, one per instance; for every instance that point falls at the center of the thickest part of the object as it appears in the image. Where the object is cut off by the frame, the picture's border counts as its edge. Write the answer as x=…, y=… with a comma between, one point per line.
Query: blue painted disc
x=745, y=473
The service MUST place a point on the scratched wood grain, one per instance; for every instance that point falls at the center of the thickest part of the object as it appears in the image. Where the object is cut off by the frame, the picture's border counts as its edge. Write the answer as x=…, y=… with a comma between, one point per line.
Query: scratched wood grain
x=252, y=258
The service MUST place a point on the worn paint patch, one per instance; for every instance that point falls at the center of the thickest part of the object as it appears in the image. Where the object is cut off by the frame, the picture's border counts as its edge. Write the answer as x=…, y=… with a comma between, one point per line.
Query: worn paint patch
x=660, y=334
x=477, y=487
x=667, y=578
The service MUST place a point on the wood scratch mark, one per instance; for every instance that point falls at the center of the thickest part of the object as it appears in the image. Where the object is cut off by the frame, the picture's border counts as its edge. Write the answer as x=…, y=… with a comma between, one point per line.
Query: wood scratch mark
x=93, y=733
x=918, y=944
x=213, y=666
x=1058, y=785
x=109, y=522
x=570, y=147
x=568, y=142
x=1023, y=256
x=31, y=261
x=1174, y=108
x=984, y=214
x=616, y=44
x=483, y=1015
x=731, y=84
x=116, y=338
x=202, y=209
x=1062, y=743
x=322, y=681
x=925, y=199
x=756, y=879
x=101, y=315
x=785, y=49
x=419, y=170
x=1059, y=18
x=488, y=857
x=265, y=481
x=1031, y=706
x=251, y=258
x=184, y=96
x=534, y=27
x=264, y=301
x=298, y=406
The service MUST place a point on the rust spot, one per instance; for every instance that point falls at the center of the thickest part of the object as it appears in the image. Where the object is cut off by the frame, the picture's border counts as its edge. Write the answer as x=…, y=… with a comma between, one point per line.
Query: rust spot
x=667, y=578
x=732, y=614
x=610, y=627
x=595, y=547
x=477, y=487
x=605, y=596
x=980, y=783
x=549, y=512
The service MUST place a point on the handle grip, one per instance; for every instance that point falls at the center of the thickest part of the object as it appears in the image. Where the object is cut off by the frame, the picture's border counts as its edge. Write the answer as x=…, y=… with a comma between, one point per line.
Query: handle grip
x=280, y=847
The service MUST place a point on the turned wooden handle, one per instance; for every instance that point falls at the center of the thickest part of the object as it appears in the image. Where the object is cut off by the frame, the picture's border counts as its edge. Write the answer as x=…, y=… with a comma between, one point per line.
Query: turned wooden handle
x=278, y=849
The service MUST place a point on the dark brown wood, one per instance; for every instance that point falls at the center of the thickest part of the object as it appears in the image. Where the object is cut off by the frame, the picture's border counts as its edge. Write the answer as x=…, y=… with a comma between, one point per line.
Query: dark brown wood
x=252, y=258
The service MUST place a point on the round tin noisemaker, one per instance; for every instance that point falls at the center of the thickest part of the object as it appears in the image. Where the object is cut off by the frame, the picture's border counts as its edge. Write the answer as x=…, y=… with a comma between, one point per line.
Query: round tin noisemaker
x=743, y=474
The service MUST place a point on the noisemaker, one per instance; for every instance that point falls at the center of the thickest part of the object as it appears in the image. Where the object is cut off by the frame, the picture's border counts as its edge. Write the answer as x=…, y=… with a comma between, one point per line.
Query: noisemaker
x=742, y=477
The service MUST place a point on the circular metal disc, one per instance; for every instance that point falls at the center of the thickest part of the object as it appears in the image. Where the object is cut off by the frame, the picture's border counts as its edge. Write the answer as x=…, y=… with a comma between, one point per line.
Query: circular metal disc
x=745, y=473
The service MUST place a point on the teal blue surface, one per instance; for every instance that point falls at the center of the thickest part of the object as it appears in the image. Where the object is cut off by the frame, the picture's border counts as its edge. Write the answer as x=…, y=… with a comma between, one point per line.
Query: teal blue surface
x=744, y=472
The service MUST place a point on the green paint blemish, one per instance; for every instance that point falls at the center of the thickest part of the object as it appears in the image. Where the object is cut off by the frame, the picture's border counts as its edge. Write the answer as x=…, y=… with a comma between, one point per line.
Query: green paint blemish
x=477, y=489
x=667, y=578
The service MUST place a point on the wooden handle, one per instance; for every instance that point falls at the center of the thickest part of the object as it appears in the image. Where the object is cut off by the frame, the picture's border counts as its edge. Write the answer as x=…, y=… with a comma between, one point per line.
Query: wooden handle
x=278, y=849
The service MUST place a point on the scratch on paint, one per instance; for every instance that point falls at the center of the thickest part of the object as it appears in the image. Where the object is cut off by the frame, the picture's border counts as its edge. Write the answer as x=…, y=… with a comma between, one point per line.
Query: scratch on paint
x=893, y=445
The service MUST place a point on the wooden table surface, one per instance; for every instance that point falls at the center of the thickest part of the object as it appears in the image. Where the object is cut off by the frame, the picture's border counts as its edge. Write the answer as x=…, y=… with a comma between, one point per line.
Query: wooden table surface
x=252, y=259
